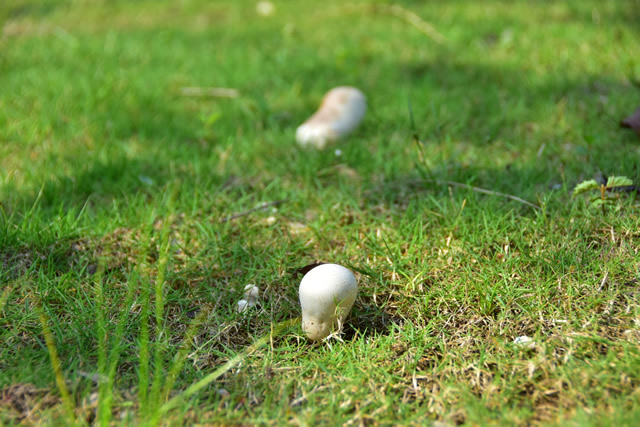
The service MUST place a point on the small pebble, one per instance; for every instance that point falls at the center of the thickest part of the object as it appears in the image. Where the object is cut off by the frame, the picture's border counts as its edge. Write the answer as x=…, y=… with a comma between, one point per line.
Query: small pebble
x=524, y=341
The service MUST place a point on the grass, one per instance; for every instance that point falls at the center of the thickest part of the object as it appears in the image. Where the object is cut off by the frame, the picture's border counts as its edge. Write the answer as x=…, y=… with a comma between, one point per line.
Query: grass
x=116, y=258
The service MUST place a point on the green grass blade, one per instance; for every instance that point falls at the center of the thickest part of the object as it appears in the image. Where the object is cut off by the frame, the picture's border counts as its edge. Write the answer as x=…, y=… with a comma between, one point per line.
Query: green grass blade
x=144, y=344
x=57, y=366
x=162, y=338
x=104, y=392
x=181, y=357
x=194, y=388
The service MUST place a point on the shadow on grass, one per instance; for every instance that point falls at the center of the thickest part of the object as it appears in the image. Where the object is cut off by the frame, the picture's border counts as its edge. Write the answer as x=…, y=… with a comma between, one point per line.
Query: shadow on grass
x=367, y=319
x=55, y=259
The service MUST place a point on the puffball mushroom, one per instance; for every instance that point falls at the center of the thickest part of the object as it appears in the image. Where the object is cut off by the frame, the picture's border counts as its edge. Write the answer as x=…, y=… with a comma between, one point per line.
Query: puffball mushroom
x=327, y=293
x=340, y=112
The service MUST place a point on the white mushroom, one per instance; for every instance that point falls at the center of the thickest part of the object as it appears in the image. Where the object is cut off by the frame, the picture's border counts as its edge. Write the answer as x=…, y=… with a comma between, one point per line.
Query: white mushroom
x=341, y=111
x=251, y=294
x=327, y=294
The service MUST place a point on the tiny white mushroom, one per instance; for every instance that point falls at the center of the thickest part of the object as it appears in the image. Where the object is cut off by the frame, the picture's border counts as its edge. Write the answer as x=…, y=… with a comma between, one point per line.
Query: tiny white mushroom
x=243, y=305
x=327, y=293
x=251, y=294
x=341, y=111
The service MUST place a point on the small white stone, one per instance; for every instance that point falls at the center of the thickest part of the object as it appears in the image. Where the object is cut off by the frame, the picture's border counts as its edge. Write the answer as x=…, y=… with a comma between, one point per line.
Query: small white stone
x=524, y=341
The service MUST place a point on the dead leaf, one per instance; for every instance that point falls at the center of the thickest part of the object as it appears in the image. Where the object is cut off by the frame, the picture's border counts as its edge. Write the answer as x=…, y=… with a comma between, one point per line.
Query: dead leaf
x=633, y=121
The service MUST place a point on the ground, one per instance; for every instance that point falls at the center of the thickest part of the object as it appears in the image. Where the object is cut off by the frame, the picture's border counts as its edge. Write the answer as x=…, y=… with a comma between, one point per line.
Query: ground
x=133, y=213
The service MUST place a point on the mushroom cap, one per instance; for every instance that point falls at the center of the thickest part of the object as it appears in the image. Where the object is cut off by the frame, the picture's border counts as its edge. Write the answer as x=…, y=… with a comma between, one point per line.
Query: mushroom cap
x=251, y=294
x=341, y=111
x=327, y=294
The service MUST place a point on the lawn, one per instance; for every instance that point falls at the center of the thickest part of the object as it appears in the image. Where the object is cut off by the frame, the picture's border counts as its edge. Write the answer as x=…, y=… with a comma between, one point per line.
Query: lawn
x=133, y=213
